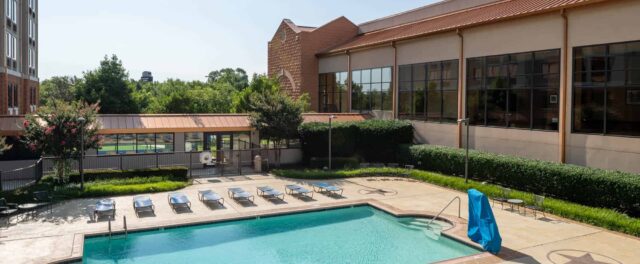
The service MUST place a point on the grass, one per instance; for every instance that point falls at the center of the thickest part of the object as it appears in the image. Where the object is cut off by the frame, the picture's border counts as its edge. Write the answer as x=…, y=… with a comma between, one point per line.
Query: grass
x=98, y=188
x=602, y=217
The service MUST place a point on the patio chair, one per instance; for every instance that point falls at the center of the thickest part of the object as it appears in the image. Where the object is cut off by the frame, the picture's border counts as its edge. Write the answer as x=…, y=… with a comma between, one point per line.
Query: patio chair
x=538, y=205
x=43, y=198
x=105, y=207
x=269, y=193
x=294, y=189
x=323, y=187
x=209, y=196
x=239, y=194
x=143, y=203
x=178, y=199
x=504, y=196
x=7, y=210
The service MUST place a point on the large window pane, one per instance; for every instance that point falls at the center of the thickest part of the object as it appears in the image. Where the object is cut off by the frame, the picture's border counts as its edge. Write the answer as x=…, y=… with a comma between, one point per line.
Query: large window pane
x=386, y=97
x=449, y=106
x=419, y=100
x=588, y=112
x=545, y=105
x=404, y=104
x=496, y=107
x=193, y=142
x=109, y=145
x=146, y=143
x=241, y=141
x=356, y=94
x=376, y=96
x=164, y=143
x=623, y=111
x=476, y=106
x=386, y=74
x=365, y=97
x=519, y=108
x=376, y=75
x=434, y=104
x=126, y=144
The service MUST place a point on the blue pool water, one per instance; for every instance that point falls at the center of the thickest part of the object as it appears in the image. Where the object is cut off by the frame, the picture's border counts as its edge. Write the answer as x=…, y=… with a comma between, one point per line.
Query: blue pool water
x=360, y=234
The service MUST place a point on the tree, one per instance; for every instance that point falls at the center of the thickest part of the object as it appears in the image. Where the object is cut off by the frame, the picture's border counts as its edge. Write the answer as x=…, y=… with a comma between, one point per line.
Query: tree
x=237, y=78
x=176, y=96
x=259, y=84
x=58, y=88
x=55, y=131
x=276, y=116
x=108, y=86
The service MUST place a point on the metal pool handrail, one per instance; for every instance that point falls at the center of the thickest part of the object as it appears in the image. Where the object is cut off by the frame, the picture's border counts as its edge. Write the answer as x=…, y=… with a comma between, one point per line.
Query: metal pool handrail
x=445, y=207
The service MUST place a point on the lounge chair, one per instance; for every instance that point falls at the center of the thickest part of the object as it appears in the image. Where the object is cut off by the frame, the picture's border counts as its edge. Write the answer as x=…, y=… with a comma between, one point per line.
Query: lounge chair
x=239, y=194
x=538, y=205
x=105, y=207
x=177, y=199
x=143, y=203
x=7, y=210
x=504, y=196
x=299, y=190
x=43, y=198
x=209, y=196
x=269, y=193
x=323, y=187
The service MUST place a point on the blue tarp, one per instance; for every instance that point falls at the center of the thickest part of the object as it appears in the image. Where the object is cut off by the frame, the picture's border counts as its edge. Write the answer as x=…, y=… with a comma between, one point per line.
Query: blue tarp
x=483, y=228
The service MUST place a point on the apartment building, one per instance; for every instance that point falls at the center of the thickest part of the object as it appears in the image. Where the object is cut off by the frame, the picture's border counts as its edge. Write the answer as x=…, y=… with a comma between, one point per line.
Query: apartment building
x=19, y=81
x=551, y=80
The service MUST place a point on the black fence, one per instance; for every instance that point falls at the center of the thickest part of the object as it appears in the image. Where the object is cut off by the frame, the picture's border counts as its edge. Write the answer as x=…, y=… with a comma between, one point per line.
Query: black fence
x=21, y=177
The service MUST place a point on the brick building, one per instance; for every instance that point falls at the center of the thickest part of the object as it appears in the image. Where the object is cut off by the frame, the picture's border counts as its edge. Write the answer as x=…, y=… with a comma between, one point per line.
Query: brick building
x=19, y=83
x=551, y=80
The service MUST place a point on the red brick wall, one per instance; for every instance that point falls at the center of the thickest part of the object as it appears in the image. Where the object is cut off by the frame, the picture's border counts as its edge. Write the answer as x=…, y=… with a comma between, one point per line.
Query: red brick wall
x=285, y=56
x=23, y=93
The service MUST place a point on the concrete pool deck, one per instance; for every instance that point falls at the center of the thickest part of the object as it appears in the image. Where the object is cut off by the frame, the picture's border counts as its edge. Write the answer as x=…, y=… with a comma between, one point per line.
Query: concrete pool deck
x=55, y=236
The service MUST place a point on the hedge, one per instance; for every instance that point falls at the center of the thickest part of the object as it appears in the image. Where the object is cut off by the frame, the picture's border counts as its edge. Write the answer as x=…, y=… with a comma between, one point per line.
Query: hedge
x=587, y=186
x=337, y=163
x=372, y=140
x=122, y=186
x=176, y=172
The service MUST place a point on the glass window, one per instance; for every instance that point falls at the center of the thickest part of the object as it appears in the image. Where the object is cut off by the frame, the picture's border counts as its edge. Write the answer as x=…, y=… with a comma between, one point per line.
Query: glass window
x=605, y=89
x=164, y=143
x=332, y=88
x=193, y=142
x=371, y=89
x=146, y=143
x=109, y=145
x=423, y=86
x=241, y=141
x=126, y=143
x=502, y=90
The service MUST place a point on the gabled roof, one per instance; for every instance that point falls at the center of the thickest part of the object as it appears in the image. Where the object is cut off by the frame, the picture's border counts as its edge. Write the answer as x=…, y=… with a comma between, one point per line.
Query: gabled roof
x=489, y=13
x=297, y=28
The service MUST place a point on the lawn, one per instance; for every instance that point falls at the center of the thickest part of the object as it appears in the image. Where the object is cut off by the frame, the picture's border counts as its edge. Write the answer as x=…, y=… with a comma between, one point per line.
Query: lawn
x=602, y=217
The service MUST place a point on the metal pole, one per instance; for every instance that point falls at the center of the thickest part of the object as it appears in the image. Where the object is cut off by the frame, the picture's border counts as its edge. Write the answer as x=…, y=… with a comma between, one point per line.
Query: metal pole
x=330, y=143
x=81, y=161
x=466, y=158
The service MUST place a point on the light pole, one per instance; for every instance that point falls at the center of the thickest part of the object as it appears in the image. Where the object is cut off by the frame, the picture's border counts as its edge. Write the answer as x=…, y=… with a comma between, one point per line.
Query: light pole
x=465, y=121
x=81, y=120
x=331, y=117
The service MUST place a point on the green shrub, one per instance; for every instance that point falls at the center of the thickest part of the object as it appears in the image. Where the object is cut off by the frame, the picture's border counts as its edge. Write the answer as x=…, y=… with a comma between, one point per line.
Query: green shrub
x=587, y=186
x=338, y=163
x=123, y=186
x=602, y=217
x=176, y=173
x=373, y=140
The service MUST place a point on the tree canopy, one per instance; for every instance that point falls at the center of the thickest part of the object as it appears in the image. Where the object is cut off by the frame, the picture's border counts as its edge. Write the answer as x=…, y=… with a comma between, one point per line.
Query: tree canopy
x=108, y=85
x=61, y=88
x=237, y=78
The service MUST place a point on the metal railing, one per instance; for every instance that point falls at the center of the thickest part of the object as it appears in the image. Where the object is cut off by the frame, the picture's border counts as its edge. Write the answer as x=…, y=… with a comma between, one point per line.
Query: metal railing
x=445, y=207
x=21, y=177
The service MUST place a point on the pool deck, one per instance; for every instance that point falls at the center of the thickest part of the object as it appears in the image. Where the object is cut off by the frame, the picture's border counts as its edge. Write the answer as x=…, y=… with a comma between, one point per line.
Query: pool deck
x=58, y=235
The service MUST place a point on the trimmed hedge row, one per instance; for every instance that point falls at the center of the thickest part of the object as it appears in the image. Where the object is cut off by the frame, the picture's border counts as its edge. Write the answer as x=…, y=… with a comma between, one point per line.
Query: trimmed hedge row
x=372, y=140
x=176, y=173
x=587, y=186
x=340, y=162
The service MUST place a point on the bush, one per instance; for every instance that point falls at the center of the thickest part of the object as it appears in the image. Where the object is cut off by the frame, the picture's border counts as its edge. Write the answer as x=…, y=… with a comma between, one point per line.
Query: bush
x=123, y=186
x=338, y=163
x=373, y=140
x=588, y=186
x=606, y=218
x=176, y=173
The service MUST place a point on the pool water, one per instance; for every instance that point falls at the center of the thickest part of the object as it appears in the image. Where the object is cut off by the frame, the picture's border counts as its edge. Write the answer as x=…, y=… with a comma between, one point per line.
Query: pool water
x=359, y=234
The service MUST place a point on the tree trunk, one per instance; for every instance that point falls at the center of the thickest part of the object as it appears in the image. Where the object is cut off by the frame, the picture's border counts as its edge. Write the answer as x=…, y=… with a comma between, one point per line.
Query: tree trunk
x=60, y=168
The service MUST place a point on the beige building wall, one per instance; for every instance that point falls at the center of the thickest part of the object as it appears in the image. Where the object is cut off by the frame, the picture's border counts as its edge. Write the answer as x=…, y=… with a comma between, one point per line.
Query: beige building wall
x=337, y=63
x=435, y=48
x=372, y=58
x=615, y=21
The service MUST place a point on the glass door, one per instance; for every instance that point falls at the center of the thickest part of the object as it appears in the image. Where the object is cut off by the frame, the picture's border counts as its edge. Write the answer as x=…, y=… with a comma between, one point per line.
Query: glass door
x=211, y=145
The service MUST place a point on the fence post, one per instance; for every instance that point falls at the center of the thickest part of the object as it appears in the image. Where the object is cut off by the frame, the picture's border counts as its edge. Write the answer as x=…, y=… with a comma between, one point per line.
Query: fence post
x=120, y=162
x=190, y=164
x=157, y=165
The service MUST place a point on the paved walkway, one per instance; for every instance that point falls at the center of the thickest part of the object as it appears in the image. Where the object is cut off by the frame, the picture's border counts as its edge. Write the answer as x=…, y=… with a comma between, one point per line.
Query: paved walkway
x=58, y=235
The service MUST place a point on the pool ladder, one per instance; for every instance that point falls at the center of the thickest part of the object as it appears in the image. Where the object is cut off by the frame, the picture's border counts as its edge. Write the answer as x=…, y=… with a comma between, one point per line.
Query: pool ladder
x=126, y=231
x=445, y=207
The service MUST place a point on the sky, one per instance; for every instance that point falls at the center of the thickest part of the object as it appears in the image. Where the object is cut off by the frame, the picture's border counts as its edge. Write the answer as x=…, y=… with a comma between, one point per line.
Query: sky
x=181, y=39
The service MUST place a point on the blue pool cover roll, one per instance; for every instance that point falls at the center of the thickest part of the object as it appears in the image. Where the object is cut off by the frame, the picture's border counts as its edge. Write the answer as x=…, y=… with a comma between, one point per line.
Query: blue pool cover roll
x=483, y=228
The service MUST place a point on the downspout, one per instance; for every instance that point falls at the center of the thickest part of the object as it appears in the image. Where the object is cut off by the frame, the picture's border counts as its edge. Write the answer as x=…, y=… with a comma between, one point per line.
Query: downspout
x=563, y=88
x=349, y=80
x=394, y=87
x=460, y=86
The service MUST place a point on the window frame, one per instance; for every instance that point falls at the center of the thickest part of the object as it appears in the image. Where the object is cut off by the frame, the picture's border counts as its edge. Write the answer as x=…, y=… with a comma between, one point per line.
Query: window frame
x=369, y=93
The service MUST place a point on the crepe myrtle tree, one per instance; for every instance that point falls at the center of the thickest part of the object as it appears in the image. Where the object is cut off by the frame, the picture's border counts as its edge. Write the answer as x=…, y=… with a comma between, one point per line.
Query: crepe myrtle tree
x=276, y=116
x=54, y=131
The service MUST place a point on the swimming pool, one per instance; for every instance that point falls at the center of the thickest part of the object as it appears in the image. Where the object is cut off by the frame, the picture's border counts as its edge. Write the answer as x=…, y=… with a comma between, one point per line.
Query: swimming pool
x=360, y=234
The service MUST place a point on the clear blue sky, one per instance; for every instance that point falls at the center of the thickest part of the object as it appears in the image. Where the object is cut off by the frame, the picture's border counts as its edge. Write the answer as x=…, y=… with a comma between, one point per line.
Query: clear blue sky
x=182, y=39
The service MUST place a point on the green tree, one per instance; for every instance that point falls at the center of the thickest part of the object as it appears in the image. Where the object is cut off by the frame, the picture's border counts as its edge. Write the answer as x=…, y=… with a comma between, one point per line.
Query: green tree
x=259, y=84
x=61, y=88
x=176, y=96
x=108, y=86
x=54, y=130
x=276, y=116
x=237, y=78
